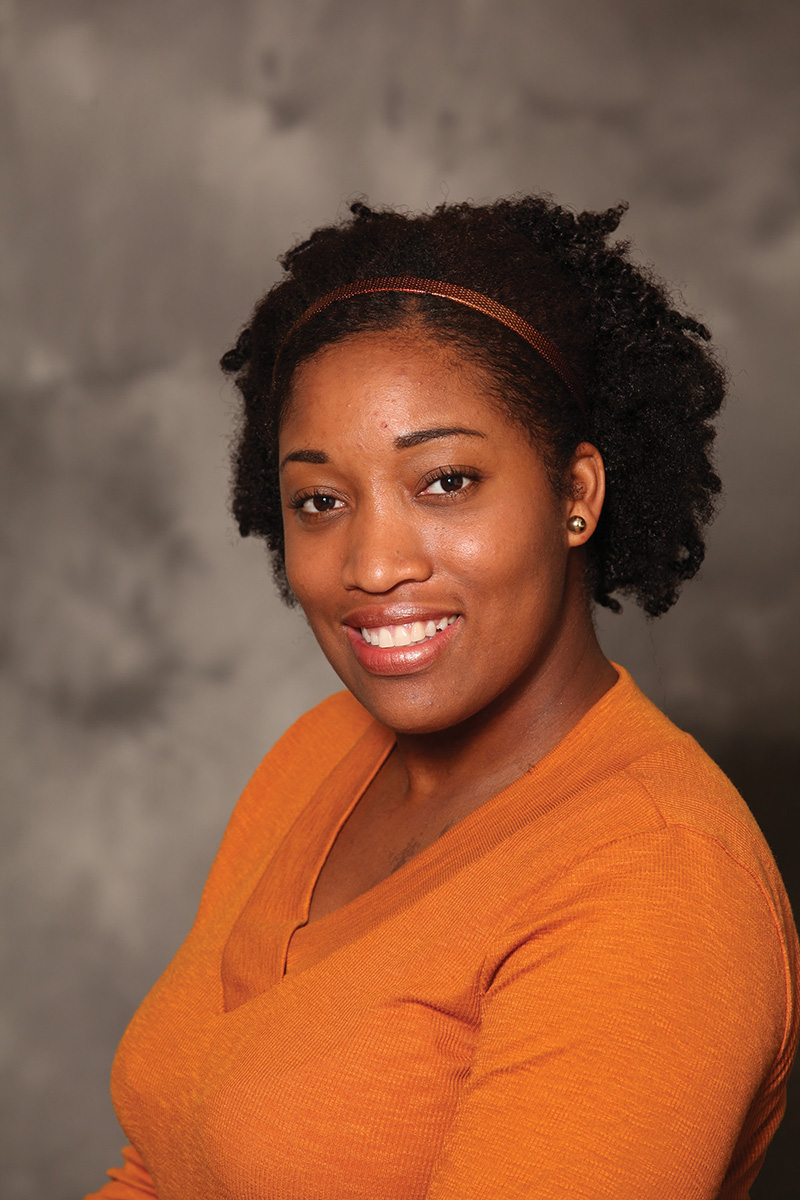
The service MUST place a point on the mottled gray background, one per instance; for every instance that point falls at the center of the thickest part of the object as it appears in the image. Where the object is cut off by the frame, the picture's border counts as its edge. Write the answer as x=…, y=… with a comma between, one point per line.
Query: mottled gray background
x=157, y=156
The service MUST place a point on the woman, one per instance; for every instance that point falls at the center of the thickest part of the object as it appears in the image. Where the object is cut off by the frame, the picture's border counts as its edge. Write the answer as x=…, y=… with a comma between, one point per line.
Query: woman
x=486, y=924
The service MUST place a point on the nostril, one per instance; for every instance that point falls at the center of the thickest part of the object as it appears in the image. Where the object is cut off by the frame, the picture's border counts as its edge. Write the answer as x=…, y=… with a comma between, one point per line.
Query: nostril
x=381, y=566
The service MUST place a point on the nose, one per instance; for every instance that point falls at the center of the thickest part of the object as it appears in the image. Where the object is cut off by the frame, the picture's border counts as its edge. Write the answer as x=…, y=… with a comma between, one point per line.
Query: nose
x=384, y=549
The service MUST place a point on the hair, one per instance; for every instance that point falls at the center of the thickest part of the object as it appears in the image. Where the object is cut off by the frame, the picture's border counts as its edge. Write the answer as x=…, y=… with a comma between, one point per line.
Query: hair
x=651, y=383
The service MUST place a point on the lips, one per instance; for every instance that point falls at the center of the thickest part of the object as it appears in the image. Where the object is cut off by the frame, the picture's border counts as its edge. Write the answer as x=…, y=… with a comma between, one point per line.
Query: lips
x=394, y=647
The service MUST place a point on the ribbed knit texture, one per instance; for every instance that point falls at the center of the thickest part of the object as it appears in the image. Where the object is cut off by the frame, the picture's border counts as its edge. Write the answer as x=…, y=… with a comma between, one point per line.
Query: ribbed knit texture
x=585, y=989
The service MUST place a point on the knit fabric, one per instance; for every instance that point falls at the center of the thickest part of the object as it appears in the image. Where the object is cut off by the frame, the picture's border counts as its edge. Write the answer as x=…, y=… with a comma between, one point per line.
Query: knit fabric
x=585, y=989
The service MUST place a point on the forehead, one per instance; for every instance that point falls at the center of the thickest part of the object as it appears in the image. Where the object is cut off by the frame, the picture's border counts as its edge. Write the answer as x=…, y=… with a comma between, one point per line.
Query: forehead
x=388, y=379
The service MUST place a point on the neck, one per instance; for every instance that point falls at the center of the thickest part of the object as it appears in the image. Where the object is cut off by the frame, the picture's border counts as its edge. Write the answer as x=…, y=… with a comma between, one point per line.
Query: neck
x=467, y=764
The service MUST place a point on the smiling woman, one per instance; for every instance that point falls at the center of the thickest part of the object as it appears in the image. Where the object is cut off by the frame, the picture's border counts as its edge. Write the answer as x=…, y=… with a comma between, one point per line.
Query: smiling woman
x=420, y=471
x=486, y=923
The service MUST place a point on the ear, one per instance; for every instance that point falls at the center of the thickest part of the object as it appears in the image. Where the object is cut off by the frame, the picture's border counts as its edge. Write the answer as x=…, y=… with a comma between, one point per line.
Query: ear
x=586, y=481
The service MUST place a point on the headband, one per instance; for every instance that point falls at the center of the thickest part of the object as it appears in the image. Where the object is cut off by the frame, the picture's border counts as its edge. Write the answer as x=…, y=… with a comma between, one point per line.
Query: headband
x=449, y=291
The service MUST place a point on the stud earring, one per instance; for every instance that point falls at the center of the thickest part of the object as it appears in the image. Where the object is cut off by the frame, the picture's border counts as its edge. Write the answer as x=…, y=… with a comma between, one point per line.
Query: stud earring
x=576, y=524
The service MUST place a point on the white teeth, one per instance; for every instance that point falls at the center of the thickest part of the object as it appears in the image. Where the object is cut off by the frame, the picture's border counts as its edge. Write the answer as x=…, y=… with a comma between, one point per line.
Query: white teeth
x=387, y=636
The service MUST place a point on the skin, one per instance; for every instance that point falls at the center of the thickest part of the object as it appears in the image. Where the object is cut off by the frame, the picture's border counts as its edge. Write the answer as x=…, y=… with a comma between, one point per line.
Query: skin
x=381, y=525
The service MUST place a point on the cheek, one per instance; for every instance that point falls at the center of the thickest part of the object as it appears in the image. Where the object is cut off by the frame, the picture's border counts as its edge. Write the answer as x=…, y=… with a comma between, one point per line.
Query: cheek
x=517, y=552
x=308, y=570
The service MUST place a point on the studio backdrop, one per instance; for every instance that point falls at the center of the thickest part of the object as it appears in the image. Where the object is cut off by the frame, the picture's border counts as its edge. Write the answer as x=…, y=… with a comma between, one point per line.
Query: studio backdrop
x=157, y=156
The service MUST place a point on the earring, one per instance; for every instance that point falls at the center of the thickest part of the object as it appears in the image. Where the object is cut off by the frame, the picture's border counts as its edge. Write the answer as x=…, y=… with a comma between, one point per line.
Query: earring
x=576, y=524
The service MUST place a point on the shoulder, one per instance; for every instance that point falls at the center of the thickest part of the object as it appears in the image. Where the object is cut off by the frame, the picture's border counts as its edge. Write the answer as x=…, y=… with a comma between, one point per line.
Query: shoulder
x=705, y=820
x=283, y=784
x=655, y=861
x=701, y=811
x=329, y=730
x=656, y=775
x=307, y=752
x=668, y=919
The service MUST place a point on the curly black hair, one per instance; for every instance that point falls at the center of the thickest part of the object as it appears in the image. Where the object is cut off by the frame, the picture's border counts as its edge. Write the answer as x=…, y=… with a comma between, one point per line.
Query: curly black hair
x=651, y=383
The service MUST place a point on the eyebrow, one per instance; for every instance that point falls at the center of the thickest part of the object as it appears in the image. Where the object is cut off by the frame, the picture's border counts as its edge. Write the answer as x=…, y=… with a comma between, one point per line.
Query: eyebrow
x=418, y=438
x=406, y=441
x=306, y=456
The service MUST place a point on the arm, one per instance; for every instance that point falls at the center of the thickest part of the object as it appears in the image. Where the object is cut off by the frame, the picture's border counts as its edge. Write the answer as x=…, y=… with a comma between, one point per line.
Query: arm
x=627, y=1028
x=131, y=1182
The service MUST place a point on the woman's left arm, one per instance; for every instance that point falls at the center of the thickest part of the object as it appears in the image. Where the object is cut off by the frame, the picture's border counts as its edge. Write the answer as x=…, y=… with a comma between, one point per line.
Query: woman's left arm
x=635, y=1036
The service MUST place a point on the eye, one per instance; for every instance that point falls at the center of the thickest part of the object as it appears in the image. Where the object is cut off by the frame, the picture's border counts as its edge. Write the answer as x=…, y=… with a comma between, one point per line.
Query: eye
x=448, y=481
x=317, y=503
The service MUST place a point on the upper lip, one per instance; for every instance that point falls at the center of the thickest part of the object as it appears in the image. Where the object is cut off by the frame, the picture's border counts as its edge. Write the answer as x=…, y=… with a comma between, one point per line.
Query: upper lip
x=396, y=614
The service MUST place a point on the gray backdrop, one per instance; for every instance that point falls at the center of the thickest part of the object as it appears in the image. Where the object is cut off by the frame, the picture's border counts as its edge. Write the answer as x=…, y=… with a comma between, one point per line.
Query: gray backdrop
x=157, y=156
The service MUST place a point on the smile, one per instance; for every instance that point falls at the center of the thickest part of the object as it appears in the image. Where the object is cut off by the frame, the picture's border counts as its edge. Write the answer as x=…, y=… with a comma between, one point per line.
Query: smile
x=402, y=649
x=387, y=636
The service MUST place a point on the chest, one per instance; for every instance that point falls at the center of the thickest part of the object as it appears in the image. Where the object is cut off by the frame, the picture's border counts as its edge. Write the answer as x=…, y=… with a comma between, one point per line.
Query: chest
x=392, y=1017
x=383, y=833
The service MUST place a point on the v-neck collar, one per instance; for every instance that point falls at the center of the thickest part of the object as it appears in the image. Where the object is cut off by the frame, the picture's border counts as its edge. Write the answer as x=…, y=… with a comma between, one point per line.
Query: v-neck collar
x=276, y=914
x=254, y=958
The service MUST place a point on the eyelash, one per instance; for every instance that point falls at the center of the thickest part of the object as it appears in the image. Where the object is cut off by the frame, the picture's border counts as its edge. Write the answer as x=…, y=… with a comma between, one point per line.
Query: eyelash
x=468, y=473
x=450, y=472
x=297, y=502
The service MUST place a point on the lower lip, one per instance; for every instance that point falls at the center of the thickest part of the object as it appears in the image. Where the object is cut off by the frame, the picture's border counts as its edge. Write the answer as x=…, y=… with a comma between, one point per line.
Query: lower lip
x=400, y=660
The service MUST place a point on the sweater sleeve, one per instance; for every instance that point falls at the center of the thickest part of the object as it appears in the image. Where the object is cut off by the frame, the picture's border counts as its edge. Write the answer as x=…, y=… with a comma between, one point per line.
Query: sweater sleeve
x=627, y=1029
x=130, y=1182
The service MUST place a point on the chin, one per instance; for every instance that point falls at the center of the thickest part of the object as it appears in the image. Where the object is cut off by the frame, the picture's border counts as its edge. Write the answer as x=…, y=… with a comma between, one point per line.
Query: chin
x=417, y=713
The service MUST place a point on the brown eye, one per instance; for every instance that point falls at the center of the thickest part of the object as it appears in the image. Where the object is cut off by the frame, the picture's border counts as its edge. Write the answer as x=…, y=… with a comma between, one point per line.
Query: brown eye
x=319, y=503
x=451, y=482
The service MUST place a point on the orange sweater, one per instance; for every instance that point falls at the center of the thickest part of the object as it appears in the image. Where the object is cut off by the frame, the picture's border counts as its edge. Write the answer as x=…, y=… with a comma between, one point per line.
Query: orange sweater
x=587, y=988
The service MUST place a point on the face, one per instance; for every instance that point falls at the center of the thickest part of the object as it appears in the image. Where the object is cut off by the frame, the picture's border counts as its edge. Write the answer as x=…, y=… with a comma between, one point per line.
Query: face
x=424, y=540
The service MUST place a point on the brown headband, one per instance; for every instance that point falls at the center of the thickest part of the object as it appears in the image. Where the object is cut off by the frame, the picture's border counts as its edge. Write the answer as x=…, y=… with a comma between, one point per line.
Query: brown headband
x=449, y=291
